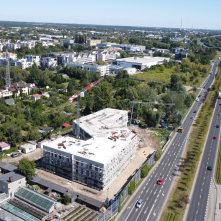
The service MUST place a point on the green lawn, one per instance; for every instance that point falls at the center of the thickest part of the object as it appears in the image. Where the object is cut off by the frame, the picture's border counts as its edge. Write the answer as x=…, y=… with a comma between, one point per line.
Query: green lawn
x=155, y=75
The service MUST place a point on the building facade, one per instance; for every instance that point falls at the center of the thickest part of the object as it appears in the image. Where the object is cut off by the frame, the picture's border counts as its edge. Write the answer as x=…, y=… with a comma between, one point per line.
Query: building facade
x=104, y=150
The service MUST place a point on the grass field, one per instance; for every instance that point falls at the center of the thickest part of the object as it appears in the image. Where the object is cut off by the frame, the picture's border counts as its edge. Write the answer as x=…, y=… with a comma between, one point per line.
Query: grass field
x=164, y=77
x=177, y=200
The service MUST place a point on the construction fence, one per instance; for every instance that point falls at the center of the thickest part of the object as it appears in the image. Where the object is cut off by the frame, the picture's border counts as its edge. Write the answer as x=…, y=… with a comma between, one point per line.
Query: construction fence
x=166, y=144
x=122, y=194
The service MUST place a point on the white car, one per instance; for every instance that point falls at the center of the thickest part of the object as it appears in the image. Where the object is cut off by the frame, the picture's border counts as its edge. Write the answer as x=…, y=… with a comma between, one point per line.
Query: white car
x=197, y=99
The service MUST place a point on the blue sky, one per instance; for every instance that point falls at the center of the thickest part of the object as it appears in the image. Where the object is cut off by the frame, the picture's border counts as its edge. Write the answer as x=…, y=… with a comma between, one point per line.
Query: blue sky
x=149, y=13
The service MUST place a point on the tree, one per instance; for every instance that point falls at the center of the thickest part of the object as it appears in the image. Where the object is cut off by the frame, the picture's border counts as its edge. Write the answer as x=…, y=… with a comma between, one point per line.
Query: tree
x=163, y=89
x=196, y=73
x=174, y=79
x=145, y=170
x=66, y=200
x=13, y=134
x=66, y=45
x=70, y=86
x=100, y=62
x=27, y=168
x=158, y=154
x=177, y=69
x=122, y=74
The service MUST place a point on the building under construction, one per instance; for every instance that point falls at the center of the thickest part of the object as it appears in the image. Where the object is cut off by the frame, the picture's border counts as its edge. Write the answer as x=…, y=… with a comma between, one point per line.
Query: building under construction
x=104, y=150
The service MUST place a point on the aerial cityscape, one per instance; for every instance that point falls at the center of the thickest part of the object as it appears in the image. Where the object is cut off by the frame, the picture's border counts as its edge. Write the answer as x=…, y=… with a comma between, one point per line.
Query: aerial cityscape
x=110, y=112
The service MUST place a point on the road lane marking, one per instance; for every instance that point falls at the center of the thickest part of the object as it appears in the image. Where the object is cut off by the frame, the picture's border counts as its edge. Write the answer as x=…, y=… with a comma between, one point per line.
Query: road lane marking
x=149, y=213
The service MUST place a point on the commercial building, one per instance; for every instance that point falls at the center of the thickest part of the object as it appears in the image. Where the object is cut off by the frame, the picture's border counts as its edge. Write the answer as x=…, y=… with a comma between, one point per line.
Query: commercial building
x=180, y=53
x=102, y=69
x=104, y=150
x=140, y=63
x=125, y=47
x=10, y=182
x=93, y=42
x=69, y=41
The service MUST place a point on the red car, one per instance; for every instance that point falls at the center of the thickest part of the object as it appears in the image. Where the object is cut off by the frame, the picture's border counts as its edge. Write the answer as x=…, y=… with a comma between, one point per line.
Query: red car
x=160, y=181
x=215, y=137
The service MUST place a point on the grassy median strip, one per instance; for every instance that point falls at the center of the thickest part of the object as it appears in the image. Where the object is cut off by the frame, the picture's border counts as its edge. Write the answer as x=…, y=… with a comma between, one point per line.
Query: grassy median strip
x=179, y=196
x=218, y=165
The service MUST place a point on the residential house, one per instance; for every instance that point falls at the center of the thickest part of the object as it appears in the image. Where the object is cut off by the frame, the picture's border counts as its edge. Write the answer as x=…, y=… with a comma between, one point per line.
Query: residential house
x=35, y=97
x=17, y=88
x=4, y=146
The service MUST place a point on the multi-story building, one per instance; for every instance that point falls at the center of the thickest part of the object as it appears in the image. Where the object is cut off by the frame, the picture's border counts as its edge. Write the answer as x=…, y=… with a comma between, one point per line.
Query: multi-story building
x=33, y=58
x=102, y=69
x=180, y=53
x=125, y=47
x=104, y=150
x=106, y=55
x=93, y=42
x=48, y=61
x=69, y=41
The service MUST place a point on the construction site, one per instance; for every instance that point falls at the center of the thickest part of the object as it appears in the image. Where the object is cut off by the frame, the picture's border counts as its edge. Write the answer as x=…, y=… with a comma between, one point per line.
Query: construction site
x=104, y=149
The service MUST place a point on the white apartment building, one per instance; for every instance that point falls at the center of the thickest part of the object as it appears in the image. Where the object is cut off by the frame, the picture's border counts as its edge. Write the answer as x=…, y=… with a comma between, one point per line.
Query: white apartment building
x=104, y=150
x=125, y=47
x=13, y=56
x=23, y=63
x=33, y=58
x=140, y=63
x=106, y=55
x=1, y=47
x=102, y=69
x=48, y=61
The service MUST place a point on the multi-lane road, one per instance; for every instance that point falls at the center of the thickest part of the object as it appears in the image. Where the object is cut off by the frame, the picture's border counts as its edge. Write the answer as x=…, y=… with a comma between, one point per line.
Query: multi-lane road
x=196, y=210
x=153, y=195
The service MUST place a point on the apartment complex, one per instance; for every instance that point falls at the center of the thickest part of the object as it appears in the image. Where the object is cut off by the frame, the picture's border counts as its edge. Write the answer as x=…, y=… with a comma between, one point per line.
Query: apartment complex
x=104, y=150
x=102, y=69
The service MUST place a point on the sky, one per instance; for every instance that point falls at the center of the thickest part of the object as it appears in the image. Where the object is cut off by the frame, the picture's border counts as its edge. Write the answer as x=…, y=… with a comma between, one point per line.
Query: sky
x=203, y=14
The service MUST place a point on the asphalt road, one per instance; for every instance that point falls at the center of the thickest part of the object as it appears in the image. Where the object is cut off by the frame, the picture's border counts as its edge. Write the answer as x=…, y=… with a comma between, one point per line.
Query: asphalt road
x=199, y=197
x=153, y=195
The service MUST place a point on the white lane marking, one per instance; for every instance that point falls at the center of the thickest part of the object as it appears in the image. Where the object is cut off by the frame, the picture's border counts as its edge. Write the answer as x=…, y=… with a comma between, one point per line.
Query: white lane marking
x=149, y=213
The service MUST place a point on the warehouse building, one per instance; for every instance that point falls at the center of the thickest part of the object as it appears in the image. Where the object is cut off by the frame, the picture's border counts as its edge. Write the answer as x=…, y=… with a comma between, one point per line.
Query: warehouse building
x=140, y=63
x=104, y=150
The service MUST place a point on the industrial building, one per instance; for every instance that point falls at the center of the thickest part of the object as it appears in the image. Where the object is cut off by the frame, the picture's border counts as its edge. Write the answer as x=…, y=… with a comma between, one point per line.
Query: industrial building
x=104, y=150
x=140, y=63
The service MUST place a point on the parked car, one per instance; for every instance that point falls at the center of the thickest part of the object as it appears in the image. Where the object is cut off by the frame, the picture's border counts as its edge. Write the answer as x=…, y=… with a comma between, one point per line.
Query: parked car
x=16, y=154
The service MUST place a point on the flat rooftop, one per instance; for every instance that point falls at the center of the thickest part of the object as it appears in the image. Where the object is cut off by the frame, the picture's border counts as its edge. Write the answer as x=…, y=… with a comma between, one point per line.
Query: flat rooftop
x=101, y=123
x=15, y=177
x=98, y=149
x=144, y=60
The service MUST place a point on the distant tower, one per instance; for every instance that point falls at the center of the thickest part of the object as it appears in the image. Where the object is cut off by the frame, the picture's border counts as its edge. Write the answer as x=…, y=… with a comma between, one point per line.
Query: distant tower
x=181, y=25
x=7, y=78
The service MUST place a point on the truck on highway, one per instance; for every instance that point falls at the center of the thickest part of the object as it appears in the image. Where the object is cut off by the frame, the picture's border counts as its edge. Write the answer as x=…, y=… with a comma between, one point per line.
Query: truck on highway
x=180, y=129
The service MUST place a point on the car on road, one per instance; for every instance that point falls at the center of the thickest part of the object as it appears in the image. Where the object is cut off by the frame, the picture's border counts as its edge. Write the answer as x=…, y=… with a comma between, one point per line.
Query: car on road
x=139, y=203
x=200, y=95
x=220, y=104
x=210, y=168
x=215, y=138
x=217, y=126
x=197, y=99
x=219, y=114
x=160, y=181
x=194, y=111
x=192, y=117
